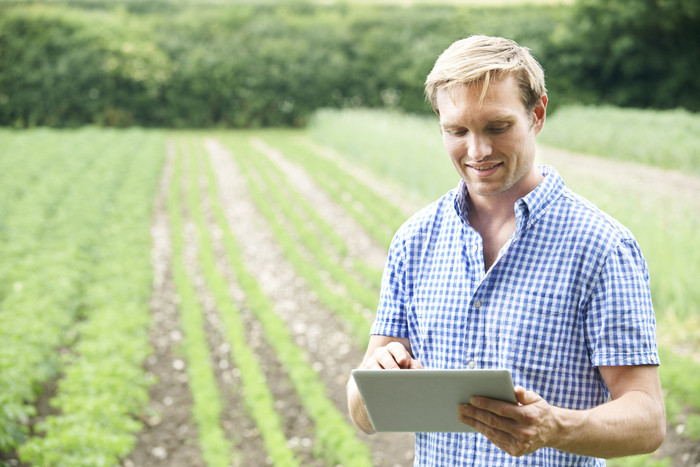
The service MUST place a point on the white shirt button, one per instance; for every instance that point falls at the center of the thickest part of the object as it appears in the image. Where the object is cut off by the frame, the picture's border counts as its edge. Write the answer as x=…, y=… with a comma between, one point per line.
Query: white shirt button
x=476, y=248
x=477, y=303
x=472, y=364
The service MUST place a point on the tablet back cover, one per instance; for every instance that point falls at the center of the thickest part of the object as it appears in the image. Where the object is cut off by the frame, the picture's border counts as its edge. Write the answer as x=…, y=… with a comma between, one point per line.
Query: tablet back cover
x=427, y=400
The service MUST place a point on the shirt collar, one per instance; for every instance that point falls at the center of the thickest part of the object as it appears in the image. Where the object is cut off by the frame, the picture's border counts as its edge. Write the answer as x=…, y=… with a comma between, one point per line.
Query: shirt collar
x=531, y=206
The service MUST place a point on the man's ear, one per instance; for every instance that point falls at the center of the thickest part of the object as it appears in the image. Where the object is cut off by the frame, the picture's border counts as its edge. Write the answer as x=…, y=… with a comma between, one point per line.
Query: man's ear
x=540, y=114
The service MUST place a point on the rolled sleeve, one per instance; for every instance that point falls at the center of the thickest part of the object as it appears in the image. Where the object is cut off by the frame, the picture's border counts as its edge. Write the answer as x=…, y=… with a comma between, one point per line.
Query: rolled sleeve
x=621, y=327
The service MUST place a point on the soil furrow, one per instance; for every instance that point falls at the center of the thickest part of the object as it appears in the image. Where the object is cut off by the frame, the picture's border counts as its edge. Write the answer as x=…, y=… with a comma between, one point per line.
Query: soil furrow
x=298, y=426
x=321, y=334
x=169, y=435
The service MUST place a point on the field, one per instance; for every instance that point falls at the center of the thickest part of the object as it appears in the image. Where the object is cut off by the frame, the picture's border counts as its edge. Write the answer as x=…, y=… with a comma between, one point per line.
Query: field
x=199, y=298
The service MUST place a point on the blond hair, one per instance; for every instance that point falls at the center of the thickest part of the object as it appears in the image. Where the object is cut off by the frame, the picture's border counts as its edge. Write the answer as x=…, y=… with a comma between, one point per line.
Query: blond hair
x=480, y=59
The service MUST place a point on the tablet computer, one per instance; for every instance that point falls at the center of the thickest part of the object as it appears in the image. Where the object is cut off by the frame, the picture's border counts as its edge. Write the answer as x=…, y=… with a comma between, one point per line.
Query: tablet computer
x=427, y=400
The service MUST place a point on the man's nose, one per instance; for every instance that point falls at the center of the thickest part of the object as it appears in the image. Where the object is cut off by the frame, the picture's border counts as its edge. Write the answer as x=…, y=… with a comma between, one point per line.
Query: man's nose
x=478, y=146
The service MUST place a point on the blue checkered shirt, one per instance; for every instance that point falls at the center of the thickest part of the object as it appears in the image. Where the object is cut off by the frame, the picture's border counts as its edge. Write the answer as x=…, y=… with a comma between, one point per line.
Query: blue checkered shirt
x=569, y=292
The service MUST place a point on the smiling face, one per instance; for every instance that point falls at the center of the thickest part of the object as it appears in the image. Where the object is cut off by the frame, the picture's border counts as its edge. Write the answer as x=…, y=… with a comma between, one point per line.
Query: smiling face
x=492, y=142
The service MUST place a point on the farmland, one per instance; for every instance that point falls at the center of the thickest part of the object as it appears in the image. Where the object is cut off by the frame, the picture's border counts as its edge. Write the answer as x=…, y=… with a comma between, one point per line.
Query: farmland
x=199, y=298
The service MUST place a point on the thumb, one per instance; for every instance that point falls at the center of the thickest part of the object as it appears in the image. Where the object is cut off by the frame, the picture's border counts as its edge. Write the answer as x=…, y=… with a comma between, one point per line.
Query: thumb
x=525, y=397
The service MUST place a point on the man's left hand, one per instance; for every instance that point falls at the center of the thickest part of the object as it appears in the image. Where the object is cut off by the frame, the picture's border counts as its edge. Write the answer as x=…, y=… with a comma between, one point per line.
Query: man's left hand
x=517, y=429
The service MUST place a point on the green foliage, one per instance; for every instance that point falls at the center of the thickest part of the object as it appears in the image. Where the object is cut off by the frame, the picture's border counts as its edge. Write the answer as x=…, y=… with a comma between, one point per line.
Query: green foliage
x=233, y=65
x=260, y=64
x=72, y=222
x=640, y=53
x=206, y=410
x=62, y=68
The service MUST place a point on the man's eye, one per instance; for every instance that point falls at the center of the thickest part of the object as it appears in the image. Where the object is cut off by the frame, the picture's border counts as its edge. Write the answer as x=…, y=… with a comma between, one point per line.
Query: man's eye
x=498, y=129
x=458, y=132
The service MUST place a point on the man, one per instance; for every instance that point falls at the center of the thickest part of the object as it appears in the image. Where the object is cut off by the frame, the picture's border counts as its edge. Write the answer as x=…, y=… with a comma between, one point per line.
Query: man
x=512, y=270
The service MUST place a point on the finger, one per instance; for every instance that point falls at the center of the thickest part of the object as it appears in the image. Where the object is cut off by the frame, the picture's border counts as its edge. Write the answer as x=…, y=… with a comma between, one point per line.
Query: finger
x=399, y=354
x=416, y=365
x=525, y=397
x=488, y=417
x=385, y=359
x=500, y=438
x=371, y=364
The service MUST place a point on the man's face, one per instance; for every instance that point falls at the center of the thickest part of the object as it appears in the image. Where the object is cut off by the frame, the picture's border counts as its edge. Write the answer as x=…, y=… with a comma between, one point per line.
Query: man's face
x=491, y=144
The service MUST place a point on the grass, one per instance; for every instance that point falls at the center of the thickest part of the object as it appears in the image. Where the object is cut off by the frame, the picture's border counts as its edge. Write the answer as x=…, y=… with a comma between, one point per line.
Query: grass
x=666, y=139
x=400, y=147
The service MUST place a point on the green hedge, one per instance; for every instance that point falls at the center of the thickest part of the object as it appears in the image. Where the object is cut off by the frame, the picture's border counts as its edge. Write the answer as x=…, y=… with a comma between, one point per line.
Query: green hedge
x=226, y=65
x=632, y=53
x=233, y=64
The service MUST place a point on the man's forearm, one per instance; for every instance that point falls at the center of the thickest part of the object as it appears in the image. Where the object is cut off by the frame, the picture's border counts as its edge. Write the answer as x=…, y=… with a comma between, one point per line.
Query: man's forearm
x=357, y=410
x=633, y=424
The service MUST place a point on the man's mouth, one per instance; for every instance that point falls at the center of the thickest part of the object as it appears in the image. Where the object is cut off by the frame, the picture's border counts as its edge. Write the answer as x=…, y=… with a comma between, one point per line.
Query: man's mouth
x=485, y=169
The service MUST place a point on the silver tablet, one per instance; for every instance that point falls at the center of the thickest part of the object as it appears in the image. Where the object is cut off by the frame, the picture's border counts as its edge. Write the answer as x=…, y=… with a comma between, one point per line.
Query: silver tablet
x=427, y=400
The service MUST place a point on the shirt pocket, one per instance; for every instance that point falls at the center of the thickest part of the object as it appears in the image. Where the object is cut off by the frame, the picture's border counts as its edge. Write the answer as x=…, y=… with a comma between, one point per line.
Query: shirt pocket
x=540, y=330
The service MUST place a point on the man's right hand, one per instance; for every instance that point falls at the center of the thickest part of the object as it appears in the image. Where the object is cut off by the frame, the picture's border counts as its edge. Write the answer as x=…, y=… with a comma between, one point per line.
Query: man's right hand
x=383, y=352
x=392, y=356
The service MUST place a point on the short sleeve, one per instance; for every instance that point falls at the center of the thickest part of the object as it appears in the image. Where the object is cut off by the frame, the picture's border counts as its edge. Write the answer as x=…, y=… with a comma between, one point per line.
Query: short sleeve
x=391, y=312
x=620, y=322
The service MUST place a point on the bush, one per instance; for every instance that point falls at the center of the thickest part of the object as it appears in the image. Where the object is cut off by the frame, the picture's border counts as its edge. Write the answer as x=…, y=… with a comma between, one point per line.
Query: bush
x=641, y=53
x=229, y=65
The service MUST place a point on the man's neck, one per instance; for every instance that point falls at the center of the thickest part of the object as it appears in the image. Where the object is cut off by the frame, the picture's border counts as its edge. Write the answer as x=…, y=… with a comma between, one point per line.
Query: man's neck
x=494, y=218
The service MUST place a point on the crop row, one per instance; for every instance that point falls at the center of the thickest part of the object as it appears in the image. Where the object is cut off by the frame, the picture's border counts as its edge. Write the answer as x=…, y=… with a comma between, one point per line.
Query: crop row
x=378, y=217
x=80, y=282
x=335, y=440
x=299, y=242
x=318, y=235
x=206, y=409
x=39, y=279
x=256, y=394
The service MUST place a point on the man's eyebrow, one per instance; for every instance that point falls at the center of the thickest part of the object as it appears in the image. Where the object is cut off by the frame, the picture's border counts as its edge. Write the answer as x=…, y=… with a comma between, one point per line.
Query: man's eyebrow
x=504, y=118
x=501, y=118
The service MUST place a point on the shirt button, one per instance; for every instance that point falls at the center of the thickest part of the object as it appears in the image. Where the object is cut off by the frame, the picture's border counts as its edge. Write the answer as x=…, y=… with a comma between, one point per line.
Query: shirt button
x=472, y=364
x=476, y=248
x=477, y=303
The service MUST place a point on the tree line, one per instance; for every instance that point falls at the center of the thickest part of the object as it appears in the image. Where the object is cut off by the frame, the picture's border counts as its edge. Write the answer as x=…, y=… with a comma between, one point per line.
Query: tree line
x=177, y=64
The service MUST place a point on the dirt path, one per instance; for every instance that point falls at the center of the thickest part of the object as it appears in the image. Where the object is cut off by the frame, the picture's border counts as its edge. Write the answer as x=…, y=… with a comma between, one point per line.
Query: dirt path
x=677, y=190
